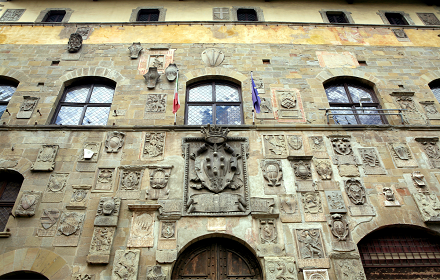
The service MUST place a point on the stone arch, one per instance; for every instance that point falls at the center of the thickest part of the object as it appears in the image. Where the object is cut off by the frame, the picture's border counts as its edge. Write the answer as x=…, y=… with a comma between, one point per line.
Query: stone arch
x=217, y=72
x=39, y=260
x=15, y=74
x=93, y=71
x=18, y=164
x=329, y=74
x=430, y=77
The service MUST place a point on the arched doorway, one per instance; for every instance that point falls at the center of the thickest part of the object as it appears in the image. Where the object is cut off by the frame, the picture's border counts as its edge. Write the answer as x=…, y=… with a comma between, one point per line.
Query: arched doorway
x=401, y=252
x=20, y=275
x=217, y=259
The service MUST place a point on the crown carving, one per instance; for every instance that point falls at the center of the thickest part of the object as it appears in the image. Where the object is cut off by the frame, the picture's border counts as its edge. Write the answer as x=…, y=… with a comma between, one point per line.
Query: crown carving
x=215, y=134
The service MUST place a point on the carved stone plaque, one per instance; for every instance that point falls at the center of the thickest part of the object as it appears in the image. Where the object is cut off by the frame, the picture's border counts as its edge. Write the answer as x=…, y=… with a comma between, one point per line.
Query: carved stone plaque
x=431, y=149
x=130, y=179
x=275, y=146
x=315, y=274
x=170, y=209
x=388, y=195
x=324, y=168
x=400, y=35
x=48, y=219
x=317, y=146
x=289, y=210
x=159, y=176
x=266, y=110
x=12, y=14
x=27, y=107
x=268, y=231
x=311, y=252
x=212, y=57
x=56, y=187
x=357, y=196
x=157, y=272
x=79, y=276
x=287, y=104
x=402, y=155
x=29, y=202
x=371, y=162
x=343, y=152
x=69, y=229
x=88, y=157
x=154, y=145
x=335, y=202
x=428, y=204
x=126, y=265
x=80, y=197
x=349, y=269
x=302, y=168
x=166, y=256
x=262, y=206
x=46, y=158
x=280, y=268
x=156, y=106
x=273, y=175
x=108, y=212
x=411, y=115
x=216, y=177
x=104, y=179
x=101, y=245
x=429, y=18
x=430, y=110
x=168, y=230
x=114, y=142
x=142, y=229
x=313, y=208
x=220, y=13
x=341, y=233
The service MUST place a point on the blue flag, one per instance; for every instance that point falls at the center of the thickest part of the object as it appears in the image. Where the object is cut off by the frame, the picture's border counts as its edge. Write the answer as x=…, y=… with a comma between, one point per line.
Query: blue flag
x=255, y=98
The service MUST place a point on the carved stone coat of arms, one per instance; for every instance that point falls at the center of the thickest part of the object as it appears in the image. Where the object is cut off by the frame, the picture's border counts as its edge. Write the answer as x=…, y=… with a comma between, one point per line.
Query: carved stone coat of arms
x=216, y=180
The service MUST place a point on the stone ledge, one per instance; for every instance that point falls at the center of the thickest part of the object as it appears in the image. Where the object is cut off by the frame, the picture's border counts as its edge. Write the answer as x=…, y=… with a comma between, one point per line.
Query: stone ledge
x=5, y=234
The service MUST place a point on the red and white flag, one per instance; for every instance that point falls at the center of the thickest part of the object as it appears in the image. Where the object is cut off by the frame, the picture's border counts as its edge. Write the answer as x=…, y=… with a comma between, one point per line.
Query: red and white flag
x=176, y=101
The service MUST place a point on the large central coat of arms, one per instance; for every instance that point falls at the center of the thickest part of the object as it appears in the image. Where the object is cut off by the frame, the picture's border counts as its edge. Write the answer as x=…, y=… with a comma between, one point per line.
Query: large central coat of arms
x=216, y=180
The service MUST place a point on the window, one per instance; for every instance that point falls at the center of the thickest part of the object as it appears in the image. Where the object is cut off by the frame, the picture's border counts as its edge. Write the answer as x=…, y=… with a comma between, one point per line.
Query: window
x=148, y=15
x=85, y=104
x=213, y=102
x=350, y=96
x=396, y=19
x=435, y=87
x=7, y=89
x=337, y=17
x=246, y=15
x=54, y=16
x=10, y=184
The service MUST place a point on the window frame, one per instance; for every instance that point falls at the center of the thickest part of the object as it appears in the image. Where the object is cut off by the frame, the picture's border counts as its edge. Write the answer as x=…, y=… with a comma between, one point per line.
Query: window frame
x=213, y=103
x=149, y=15
x=92, y=82
x=57, y=14
x=258, y=11
x=135, y=13
x=404, y=15
x=44, y=13
x=247, y=13
x=351, y=105
x=347, y=15
x=14, y=177
x=435, y=85
x=7, y=82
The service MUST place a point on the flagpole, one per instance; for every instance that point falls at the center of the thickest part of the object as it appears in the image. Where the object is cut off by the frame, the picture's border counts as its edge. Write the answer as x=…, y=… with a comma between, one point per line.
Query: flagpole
x=253, y=110
x=176, y=91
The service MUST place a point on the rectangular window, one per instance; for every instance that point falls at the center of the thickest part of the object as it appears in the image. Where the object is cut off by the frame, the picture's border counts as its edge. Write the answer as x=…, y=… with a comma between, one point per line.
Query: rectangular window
x=396, y=19
x=246, y=15
x=54, y=16
x=337, y=17
x=148, y=15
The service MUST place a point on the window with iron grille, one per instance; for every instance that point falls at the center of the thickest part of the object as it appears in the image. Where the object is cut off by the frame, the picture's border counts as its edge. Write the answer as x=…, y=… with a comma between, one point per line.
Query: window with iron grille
x=54, y=16
x=435, y=88
x=148, y=15
x=396, y=19
x=337, y=17
x=247, y=15
x=85, y=103
x=359, y=101
x=400, y=247
x=10, y=184
x=7, y=89
x=213, y=102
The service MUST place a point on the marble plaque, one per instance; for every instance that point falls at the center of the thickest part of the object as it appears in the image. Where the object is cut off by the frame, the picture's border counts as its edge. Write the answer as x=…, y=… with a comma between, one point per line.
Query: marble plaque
x=142, y=229
x=126, y=265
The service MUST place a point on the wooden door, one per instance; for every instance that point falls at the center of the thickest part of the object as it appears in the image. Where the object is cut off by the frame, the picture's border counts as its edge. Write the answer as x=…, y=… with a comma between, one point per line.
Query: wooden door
x=217, y=259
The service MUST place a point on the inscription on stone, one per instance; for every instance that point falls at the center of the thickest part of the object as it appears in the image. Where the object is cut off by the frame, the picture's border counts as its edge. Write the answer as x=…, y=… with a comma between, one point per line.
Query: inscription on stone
x=170, y=209
x=262, y=205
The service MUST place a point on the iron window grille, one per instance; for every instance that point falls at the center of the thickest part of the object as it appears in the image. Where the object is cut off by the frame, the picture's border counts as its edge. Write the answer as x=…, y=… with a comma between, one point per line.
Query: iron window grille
x=399, y=247
x=54, y=16
x=337, y=17
x=148, y=15
x=6, y=92
x=435, y=88
x=246, y=15
x=85, y=104
x=356, y=104
x=396, y=19
x=10, y=185
x=213, y=102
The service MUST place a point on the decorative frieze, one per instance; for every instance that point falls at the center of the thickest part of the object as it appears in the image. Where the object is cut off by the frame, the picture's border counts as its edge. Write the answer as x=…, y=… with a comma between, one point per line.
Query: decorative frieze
x=430, y=109
x=108, y=212
x=289, y=210
x=27, y=107
x=104, y=179
x=371, y=162
x=130, y=179
x=313, y=208
x=126, y=265
x=274, y=146
x=48, y=219
x=357, y=197
x=28, y=203
x=402, y=155
x=335, y=202
x=46, y=158
x=101, y=245
x=114, y=142
x=159, y=176
x=280, y=268
x=69, y=229
x=56, y=187
x=142, y=229
x=311, y=252
x=273, y=175
x=80, y=197
x=431, y=149
x=341, y=233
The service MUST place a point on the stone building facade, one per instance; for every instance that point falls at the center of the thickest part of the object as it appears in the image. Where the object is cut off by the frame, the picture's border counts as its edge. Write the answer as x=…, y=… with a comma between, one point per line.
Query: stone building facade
x=120, y=190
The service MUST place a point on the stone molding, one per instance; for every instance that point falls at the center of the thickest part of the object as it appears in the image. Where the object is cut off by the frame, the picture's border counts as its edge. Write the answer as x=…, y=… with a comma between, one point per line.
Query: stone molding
x=328, y=74
x=258, y=10
x=347, y=14
x=406, y=16
x=66, y=17
x=93, y=71
x=15, y=74
x=135, y=12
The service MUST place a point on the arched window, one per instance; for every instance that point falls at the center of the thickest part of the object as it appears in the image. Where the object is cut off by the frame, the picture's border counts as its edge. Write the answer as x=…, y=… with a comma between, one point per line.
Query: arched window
x=7, y=89
x=359, y=101
x=395, y=251
x=213, y=102
x=10, y=184
x=86, y=102
x=435, y=87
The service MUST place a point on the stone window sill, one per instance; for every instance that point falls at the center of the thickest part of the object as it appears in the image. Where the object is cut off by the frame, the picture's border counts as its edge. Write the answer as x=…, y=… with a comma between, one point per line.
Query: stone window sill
x=5, y=234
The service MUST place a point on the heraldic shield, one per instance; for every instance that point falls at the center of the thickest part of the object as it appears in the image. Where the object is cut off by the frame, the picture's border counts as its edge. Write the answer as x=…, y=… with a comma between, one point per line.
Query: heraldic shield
x=216, y=180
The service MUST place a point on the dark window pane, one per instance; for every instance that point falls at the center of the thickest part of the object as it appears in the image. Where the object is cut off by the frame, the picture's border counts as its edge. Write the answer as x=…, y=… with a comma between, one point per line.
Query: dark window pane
x=358, y=92
x=396, y=19
x=370, y=118
x=96, y=116
x=77, y=94
x=199, y=115
x=4, y=215
x=69, y=115
x=200, y=94
x=102, y=94
x=226, y=93
x=228, y=115
x=436, y=91
x=246, y=15
x=337, y=17
x=55, y=16
x=148, y=15
x=2, y=109
x=11, y=191
x=6, y=92
x=336, y=94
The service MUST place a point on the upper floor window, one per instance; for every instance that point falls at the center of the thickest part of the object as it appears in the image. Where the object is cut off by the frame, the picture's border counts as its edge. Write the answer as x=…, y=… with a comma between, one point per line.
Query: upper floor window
x=7, y=89
x=213, y=102
x=10, y=184
x=396, y=19
x=247, y=15
x=337, y=17
x=54, y=16
x=435, y=87
x=148, y=15
x=356, y=103
x=85, y=103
